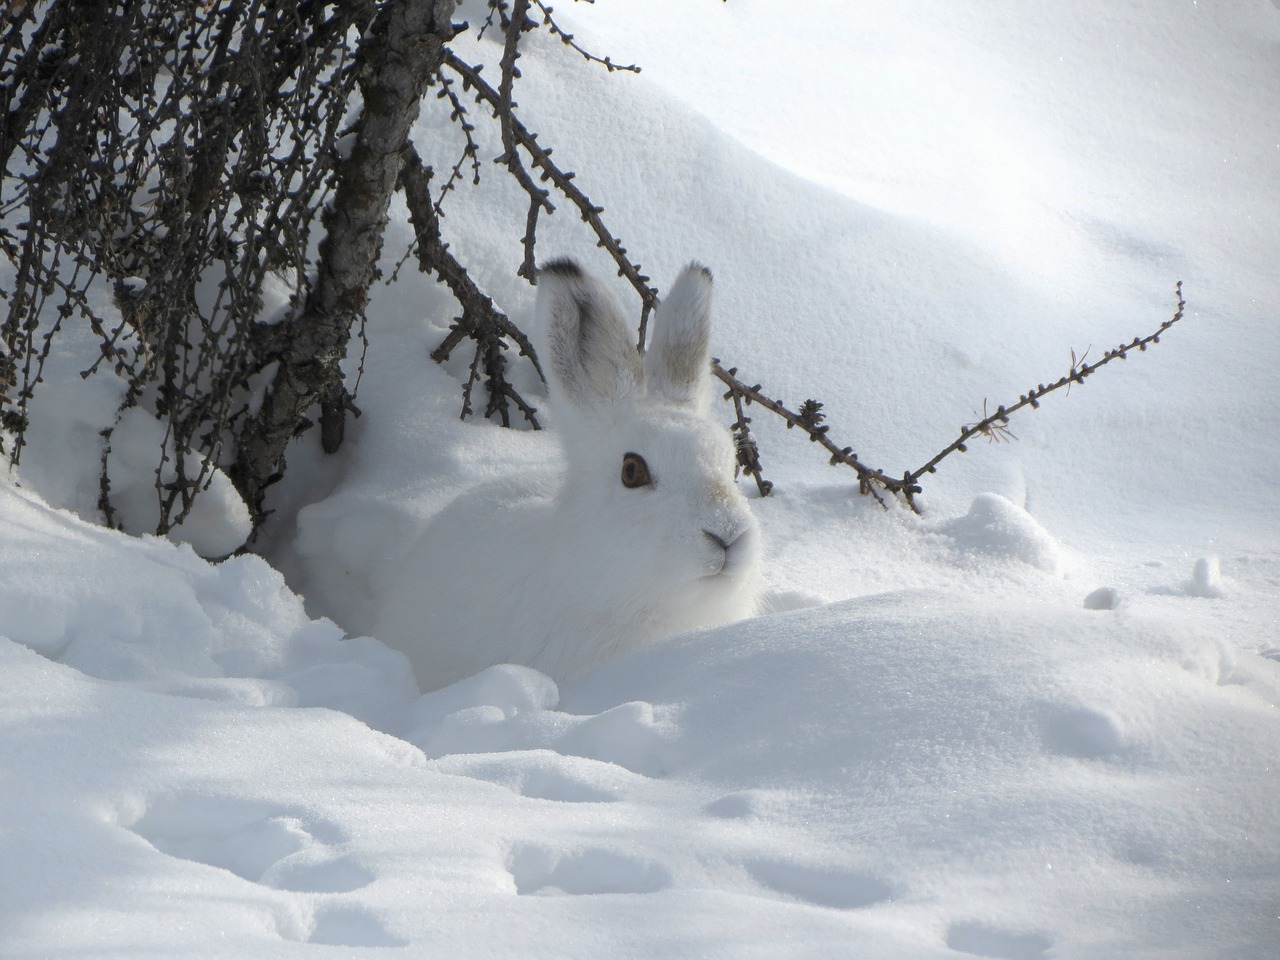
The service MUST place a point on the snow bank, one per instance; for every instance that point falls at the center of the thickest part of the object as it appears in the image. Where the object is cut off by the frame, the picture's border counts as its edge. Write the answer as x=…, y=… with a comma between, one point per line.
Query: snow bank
x=153, y=614
x=914, y=773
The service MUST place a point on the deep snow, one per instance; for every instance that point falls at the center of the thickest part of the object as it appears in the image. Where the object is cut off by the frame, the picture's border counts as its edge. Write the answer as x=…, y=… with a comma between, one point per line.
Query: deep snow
x=1038, y=721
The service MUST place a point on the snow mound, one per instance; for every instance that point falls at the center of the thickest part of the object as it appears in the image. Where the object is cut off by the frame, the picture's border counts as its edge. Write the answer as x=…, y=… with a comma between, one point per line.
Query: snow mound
x=218, y=522
x=918, y=772
x=1206, y=578
x=152, y=613
x=997, y=527
x=501, y=691
x=1104, y=598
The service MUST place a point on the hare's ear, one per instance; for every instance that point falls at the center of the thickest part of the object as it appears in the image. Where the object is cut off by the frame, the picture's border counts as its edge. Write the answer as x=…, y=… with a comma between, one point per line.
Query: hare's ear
x=591, y=357
x=680, y=349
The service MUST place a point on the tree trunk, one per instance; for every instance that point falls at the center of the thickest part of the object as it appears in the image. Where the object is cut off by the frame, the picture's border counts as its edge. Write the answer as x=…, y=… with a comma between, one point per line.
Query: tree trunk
x=402, y=50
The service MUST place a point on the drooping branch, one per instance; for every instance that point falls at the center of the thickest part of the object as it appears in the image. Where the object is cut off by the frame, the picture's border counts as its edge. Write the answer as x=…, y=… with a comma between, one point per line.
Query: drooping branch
x=480, y=320
x=563, y=181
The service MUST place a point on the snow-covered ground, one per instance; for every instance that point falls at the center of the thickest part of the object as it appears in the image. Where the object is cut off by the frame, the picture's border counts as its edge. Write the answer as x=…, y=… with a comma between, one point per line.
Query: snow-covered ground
x=1038, y=720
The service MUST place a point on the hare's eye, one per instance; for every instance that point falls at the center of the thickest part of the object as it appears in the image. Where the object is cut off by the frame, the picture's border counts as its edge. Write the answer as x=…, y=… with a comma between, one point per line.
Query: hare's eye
x=635, y=472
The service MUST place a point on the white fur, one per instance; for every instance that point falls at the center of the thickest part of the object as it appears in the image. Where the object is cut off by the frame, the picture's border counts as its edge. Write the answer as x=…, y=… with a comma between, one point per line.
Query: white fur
x=559, y=576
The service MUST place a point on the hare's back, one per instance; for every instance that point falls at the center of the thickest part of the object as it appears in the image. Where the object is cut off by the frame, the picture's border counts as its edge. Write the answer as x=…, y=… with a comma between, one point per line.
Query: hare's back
x=455, y=603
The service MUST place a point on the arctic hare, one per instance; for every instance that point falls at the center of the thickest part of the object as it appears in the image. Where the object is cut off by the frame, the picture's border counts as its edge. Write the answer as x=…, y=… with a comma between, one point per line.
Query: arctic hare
x=644, y=534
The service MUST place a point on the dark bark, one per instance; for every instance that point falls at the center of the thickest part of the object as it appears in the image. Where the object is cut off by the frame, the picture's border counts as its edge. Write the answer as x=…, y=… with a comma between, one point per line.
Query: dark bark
x=403, y=48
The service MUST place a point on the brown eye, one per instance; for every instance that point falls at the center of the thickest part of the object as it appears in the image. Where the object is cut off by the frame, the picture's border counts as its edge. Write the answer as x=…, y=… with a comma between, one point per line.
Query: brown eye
x=635, y=472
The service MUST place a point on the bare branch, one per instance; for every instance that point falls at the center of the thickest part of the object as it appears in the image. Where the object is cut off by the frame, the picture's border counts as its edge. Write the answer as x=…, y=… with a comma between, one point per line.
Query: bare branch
x=480, y=320
x=870, y=481
x=1079, y=371
x=470, y=150
x=563, y=182
x=747, y=449
x=568, y=40
x=992, y=426
x=518, y=23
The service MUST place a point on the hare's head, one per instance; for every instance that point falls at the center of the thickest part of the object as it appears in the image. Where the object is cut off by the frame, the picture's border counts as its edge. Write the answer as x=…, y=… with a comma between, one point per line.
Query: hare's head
x=650, y=486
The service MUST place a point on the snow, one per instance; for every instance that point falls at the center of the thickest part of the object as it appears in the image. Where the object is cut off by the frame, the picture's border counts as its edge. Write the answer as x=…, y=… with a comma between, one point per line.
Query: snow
x=1037, y=721
x=218, y=522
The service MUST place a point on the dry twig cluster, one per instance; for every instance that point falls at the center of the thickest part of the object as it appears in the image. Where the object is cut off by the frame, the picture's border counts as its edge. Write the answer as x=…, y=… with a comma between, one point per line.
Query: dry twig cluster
x=175, y=154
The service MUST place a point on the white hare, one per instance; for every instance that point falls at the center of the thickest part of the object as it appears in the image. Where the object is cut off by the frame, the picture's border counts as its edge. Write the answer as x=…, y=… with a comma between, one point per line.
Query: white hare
x=644, y=535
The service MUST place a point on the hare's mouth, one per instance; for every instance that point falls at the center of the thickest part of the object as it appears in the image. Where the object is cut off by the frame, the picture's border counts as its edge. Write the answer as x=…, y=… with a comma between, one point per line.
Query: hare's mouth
x=718, y=561
x=728, y=557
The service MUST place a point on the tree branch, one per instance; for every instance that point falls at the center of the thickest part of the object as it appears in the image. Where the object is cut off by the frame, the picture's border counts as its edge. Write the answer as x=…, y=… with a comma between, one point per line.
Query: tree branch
x=563, y=182
x=994, y=424
x=869, y=480
x=480, y=320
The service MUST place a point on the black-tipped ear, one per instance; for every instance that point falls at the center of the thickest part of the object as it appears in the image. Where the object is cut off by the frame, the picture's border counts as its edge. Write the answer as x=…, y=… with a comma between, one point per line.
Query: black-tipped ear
x=561, y=267
x=589, y=353
x=679, y=354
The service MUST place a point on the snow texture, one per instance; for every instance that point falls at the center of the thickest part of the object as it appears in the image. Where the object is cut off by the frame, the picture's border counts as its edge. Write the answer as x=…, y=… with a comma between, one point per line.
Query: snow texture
x=1038, y=721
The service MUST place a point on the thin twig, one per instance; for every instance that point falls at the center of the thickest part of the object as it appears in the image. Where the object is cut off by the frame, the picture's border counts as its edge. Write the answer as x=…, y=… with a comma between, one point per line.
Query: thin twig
x=1079, y=371
x=538, y=197
x=747, y=449
x=470, y=150
x=568, y=40
x=870, y=481
x=481, y=319
x=563, y=181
